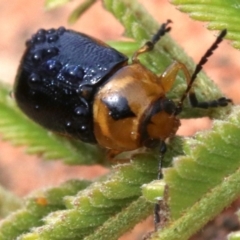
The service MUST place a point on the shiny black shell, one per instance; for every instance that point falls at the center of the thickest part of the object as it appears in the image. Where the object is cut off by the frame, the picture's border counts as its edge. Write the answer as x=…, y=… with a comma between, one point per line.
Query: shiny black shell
x=58, y=76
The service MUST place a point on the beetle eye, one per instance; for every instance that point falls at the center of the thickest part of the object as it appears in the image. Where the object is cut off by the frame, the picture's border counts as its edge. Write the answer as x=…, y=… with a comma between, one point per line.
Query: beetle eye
x=169, y=106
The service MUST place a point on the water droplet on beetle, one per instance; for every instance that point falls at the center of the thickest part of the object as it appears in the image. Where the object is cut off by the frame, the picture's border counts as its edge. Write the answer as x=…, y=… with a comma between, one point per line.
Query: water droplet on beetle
x=83, y=128
x=68, y=124
x=81, y=111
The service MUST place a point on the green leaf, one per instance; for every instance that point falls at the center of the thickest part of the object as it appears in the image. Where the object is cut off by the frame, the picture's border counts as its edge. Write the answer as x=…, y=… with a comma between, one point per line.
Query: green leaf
x=137, y=210
x=220, y=14
x=76, y=14
x=20, y=130
x=154, y=191
x=234, y=236
x=104, y=210
x=38, y=205
x=206, y=180
x=8, y=202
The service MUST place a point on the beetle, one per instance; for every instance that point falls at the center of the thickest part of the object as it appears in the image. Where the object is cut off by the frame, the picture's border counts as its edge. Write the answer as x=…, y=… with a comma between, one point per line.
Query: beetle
x=76, y=85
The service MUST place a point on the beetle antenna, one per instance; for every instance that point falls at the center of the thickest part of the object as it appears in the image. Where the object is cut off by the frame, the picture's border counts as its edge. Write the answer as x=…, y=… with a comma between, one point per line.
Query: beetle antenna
x=199, y=66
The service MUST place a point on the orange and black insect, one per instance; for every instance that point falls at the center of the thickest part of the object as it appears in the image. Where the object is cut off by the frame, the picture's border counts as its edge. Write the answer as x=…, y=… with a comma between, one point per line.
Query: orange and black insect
x=78, y=86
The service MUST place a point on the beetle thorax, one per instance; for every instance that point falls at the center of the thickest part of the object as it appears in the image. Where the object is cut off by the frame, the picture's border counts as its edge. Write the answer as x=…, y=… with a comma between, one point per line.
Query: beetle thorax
x=122, y=106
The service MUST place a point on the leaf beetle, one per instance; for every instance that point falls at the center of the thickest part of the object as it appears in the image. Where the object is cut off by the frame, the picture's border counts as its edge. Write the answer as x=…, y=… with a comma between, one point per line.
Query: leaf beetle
x=78, y=86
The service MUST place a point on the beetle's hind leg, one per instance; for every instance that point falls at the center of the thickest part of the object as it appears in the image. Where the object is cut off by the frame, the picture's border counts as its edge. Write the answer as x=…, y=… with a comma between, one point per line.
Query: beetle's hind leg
x=149, y=45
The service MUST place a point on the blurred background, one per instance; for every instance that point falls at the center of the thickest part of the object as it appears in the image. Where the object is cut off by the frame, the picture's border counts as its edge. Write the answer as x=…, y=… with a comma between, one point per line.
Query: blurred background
x=19, y=19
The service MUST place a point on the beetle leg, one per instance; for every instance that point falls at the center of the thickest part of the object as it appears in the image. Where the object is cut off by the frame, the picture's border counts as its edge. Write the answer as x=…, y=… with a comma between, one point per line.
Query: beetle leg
x=167, y=80
x=149, y=45
x=220, y=102
x=162, y=150
x=168, y=77
x=111, y=154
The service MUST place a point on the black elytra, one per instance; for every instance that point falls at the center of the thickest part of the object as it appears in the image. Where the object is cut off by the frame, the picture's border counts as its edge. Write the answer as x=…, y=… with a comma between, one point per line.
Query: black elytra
x=60, y=72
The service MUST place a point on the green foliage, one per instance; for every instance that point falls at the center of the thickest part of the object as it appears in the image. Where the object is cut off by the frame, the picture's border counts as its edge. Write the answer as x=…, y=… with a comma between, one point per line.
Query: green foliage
x=103, y=210
x=220, y=14
x=154, y=191
x=8, y=202
x=80, y=10
x=37, y=206
x=205, y=179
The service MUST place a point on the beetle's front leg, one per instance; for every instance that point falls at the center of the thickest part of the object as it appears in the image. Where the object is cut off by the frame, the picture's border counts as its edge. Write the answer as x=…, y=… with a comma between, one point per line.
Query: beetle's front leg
x=111, y=157
x=168, y=77
x=162, y=151
x=220, y=102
